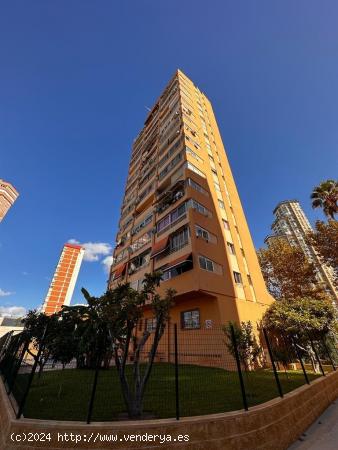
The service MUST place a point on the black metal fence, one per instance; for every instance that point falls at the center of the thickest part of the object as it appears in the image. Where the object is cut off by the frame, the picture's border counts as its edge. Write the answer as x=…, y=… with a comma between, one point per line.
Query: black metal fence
x=195, y=372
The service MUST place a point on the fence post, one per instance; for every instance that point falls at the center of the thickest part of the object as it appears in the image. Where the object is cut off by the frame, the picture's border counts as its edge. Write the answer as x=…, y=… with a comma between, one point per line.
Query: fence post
x=316, y=354
x=15, y=348
x=100, y=353
x=279, y=387
x=177, y=398
x=328, y=354
x=92, y=396
x=299, y=356
x=239, y=370
x=31, y=375
x=16, y=371
x=5, y=344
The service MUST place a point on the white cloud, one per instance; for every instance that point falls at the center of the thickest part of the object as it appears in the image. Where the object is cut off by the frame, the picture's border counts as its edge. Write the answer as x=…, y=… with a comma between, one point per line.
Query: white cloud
x=107, y=262
x=5, y=293
x=12, y=311
x=24, y=273
x=94, y=251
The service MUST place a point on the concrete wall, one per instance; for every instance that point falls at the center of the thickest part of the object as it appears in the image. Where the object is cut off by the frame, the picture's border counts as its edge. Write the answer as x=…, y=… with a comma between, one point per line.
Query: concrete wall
x=273, y=425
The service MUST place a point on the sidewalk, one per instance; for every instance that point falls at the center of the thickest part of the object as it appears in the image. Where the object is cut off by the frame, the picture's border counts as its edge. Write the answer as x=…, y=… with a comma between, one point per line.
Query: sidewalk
x=322, y=434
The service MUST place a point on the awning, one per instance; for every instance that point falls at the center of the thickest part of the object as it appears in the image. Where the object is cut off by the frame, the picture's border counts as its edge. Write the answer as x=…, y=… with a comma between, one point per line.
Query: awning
x=159, y=247
x=178, y=261
x=119, y=271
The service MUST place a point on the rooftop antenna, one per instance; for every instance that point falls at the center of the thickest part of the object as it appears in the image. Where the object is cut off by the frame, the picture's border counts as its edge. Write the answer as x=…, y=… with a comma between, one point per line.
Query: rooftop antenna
x=148, y=109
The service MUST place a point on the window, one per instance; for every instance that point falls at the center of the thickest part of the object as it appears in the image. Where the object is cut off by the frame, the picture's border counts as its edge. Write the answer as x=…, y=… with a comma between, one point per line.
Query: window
x=178, y=212
x=226, y=224
x=141, y=241
x=147, y=177
x=163, y=223
x=212, y=163
x=171, y=217
x=139, y=261
x=151, y=324
x=170, y=166
x=190, y=319
x=179, y=239
x=214, y=176
x=145, y=192
x=126, y=224
x=142, y=224
x=238, y=277
x=250, y=280
x=201, y=232
x=200, y=208
x=217, y=187
x=221, y=204
x=231, y=248
x=170, y=152
x=178, y=270
x=193, y=154
x=206, y=264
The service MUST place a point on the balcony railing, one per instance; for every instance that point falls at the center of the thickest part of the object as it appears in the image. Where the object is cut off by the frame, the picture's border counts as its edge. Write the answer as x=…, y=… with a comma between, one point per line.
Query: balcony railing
x=171, y=250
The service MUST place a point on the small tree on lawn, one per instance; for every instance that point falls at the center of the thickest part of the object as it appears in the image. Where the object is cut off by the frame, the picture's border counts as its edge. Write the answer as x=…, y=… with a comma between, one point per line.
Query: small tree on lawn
x=90, y=330
x=63, y=345
x=120, y=309
x=247, y=347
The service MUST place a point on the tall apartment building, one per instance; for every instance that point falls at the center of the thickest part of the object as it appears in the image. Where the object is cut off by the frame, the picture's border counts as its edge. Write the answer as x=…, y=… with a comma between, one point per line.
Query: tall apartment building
x=63, y=283
x=8, y=195
x=292, y=224
x=181, y=214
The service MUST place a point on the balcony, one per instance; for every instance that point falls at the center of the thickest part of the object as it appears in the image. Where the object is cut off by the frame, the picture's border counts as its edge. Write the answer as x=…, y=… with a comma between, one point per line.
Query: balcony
x=172, y=253
x=169, y=196
x=173, y=243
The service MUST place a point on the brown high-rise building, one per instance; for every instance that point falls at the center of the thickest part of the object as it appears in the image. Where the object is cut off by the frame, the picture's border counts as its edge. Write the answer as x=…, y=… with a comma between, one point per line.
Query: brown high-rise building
x=63, y=283
x=8, y=195
x=181, y=214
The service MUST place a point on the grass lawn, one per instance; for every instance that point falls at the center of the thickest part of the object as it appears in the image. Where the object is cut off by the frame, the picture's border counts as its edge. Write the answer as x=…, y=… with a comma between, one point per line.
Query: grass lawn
x=64, y=394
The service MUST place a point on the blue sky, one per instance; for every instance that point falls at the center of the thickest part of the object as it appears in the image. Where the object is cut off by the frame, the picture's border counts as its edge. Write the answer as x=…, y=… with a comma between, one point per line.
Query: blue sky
x=76, y=77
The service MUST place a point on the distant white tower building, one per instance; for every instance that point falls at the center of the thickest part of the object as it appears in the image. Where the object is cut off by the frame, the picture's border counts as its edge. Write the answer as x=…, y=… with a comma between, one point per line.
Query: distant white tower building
x=292, y=224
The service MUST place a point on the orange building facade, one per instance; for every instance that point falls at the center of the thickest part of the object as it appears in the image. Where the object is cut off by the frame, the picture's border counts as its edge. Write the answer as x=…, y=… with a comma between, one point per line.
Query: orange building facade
x=182, y=214
x=63, y=283
x=8, y=195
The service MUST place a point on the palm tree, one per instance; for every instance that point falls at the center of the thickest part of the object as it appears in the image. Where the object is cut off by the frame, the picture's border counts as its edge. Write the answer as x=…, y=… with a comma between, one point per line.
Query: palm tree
x=326, y=196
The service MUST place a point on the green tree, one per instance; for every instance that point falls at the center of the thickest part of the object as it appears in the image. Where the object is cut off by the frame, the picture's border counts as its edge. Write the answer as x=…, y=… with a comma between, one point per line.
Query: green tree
x=247, y=347
x=90, y=329
x=41, y=329
x=325, y=196
x=287, y=272
x=107, y=327
x=63, y=344
x=301, y=317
